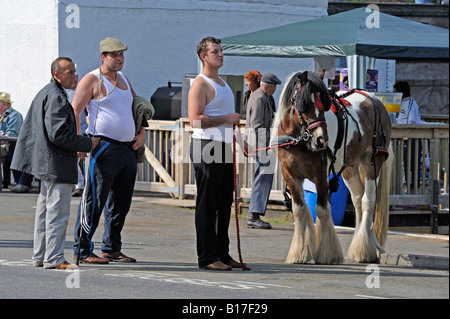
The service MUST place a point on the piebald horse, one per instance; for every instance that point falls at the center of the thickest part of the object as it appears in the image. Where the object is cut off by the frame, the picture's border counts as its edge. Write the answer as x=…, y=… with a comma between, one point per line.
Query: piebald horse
x=348, y=133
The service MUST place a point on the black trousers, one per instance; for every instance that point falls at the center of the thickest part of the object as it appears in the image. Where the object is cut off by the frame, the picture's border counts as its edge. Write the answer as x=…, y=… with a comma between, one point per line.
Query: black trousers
x=213, y=167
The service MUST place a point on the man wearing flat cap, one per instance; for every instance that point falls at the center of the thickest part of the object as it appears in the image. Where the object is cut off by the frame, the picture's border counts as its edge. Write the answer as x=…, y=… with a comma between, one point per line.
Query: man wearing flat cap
x=108, y=96
x=259, y=121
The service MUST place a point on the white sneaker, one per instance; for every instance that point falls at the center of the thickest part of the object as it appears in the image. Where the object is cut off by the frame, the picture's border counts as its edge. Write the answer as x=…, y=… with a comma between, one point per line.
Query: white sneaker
x=19, y=188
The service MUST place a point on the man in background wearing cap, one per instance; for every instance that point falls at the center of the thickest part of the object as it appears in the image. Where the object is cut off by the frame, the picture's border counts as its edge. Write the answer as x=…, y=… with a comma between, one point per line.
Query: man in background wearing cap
x=259, y=121
x=108, y=96
x=10, y=119
x=10, y=123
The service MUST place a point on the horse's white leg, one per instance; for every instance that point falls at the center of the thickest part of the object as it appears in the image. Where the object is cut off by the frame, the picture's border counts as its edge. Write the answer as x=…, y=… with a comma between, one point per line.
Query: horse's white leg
x=329, y=250
x=303, y=245
x=364, y=246
x=353, y=182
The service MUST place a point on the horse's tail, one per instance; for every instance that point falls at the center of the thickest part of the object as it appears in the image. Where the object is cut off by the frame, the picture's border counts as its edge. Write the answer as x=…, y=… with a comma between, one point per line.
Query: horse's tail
x=381, y=222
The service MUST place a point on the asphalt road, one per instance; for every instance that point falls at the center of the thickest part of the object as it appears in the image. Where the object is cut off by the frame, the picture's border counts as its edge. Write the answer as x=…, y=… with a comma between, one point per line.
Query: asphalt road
x=162, y=239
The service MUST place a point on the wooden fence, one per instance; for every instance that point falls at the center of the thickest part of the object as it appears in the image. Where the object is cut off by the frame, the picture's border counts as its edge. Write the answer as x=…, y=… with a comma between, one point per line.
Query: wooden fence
x=168, y=167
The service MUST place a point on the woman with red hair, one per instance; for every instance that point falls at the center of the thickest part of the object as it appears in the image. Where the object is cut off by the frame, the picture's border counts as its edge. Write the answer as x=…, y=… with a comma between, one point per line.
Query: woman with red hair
x=252, y=79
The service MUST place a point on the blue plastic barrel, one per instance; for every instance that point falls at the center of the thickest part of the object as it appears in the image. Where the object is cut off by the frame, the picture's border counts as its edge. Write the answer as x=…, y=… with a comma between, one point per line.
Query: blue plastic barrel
x=337, y=206
x=311, y=200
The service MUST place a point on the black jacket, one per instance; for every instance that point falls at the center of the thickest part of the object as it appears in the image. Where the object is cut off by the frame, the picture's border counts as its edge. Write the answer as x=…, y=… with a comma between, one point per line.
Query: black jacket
x=48, y=140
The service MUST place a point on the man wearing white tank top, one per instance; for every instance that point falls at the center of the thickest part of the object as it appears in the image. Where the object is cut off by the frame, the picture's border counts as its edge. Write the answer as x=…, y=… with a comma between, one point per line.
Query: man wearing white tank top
x=212, y=115
x=108, y=96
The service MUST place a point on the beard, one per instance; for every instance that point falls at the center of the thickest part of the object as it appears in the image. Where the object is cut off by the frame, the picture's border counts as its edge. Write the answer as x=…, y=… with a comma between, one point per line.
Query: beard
x=114, y=66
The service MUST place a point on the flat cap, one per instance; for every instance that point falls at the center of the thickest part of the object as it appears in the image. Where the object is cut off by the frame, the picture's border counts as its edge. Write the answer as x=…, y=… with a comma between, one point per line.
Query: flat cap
x=112, y=45
x=270, y=78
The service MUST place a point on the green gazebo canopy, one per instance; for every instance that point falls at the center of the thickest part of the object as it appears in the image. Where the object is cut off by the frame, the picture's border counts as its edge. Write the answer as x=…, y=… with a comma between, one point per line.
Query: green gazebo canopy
x=345, y=34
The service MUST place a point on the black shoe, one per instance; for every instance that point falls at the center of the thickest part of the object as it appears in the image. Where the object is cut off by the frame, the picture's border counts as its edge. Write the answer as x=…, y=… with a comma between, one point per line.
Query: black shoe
x=77, y=192
x=255, y=221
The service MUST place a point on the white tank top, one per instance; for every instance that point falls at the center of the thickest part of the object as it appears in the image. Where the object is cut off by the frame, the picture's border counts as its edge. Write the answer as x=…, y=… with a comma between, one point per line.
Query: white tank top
x=222, y=104
x=115, y=114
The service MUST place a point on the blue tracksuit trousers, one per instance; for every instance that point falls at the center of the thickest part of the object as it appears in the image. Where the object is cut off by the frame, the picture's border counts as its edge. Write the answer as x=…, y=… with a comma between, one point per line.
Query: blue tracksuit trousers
x=109, y=188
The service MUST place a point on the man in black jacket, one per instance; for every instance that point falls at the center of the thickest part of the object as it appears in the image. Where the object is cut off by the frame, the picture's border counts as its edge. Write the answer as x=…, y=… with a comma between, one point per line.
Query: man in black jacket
x=47, y=148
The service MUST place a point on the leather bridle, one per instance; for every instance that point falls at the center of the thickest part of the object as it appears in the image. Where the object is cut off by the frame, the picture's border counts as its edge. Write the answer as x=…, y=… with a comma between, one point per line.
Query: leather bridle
x=307, y=125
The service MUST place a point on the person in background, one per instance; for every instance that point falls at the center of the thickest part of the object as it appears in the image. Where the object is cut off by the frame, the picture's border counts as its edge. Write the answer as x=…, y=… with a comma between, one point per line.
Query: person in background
x=83, y=126
x=46, y=148
x=257, y=128
x=409, y=114
x=10, y=122
x=10, y=119
x=252, y=79
x=409, y=109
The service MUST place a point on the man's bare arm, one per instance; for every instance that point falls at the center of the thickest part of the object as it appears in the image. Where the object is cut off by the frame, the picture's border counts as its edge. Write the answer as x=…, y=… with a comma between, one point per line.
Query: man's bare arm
x=83, y=94
x=212, y=121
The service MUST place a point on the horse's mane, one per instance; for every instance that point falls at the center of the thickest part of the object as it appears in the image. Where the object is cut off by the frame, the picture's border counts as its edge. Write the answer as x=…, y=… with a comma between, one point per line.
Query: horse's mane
x=314, y=84
x=283, y=105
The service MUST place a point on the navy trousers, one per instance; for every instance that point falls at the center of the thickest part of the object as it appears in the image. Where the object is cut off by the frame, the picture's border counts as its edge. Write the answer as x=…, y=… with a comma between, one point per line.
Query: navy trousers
x=109, y=188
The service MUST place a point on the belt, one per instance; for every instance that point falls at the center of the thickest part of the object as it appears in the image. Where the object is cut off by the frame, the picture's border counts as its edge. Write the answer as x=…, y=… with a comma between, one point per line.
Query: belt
x=112, y=140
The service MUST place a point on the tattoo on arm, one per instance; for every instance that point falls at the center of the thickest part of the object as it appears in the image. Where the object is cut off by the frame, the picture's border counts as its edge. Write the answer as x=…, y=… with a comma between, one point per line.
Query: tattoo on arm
x=77, y=96
x=212, y=121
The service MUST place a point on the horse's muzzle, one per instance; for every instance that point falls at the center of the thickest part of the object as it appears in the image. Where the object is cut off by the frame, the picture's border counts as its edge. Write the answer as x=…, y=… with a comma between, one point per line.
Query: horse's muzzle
x=321, y=143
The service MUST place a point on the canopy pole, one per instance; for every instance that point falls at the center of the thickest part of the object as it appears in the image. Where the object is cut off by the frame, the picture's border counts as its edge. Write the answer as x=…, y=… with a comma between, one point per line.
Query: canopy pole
x=357, y=69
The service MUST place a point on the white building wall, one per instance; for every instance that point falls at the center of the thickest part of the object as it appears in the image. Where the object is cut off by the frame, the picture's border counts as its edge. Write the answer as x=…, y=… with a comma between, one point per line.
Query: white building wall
x=161, y=35
x=28, y=45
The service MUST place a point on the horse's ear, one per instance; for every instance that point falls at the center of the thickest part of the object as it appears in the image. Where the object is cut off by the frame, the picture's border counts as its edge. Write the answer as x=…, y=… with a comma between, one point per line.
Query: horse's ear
x=298, y=78
x=304, y=78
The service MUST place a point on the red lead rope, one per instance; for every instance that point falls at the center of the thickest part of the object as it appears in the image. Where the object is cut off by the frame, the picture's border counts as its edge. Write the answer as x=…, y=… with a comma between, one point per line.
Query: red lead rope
x=236, y=213
x=248, y=153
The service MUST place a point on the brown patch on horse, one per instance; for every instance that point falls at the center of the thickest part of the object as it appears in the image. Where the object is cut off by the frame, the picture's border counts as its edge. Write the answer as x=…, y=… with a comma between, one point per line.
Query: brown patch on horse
x=366, y=115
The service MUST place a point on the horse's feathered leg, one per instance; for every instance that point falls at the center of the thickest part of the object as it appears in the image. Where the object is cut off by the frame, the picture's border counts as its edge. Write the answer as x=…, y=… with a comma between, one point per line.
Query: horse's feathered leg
x=303, y=245
x=329, y=250
x=370, y=233
x=365, y=246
